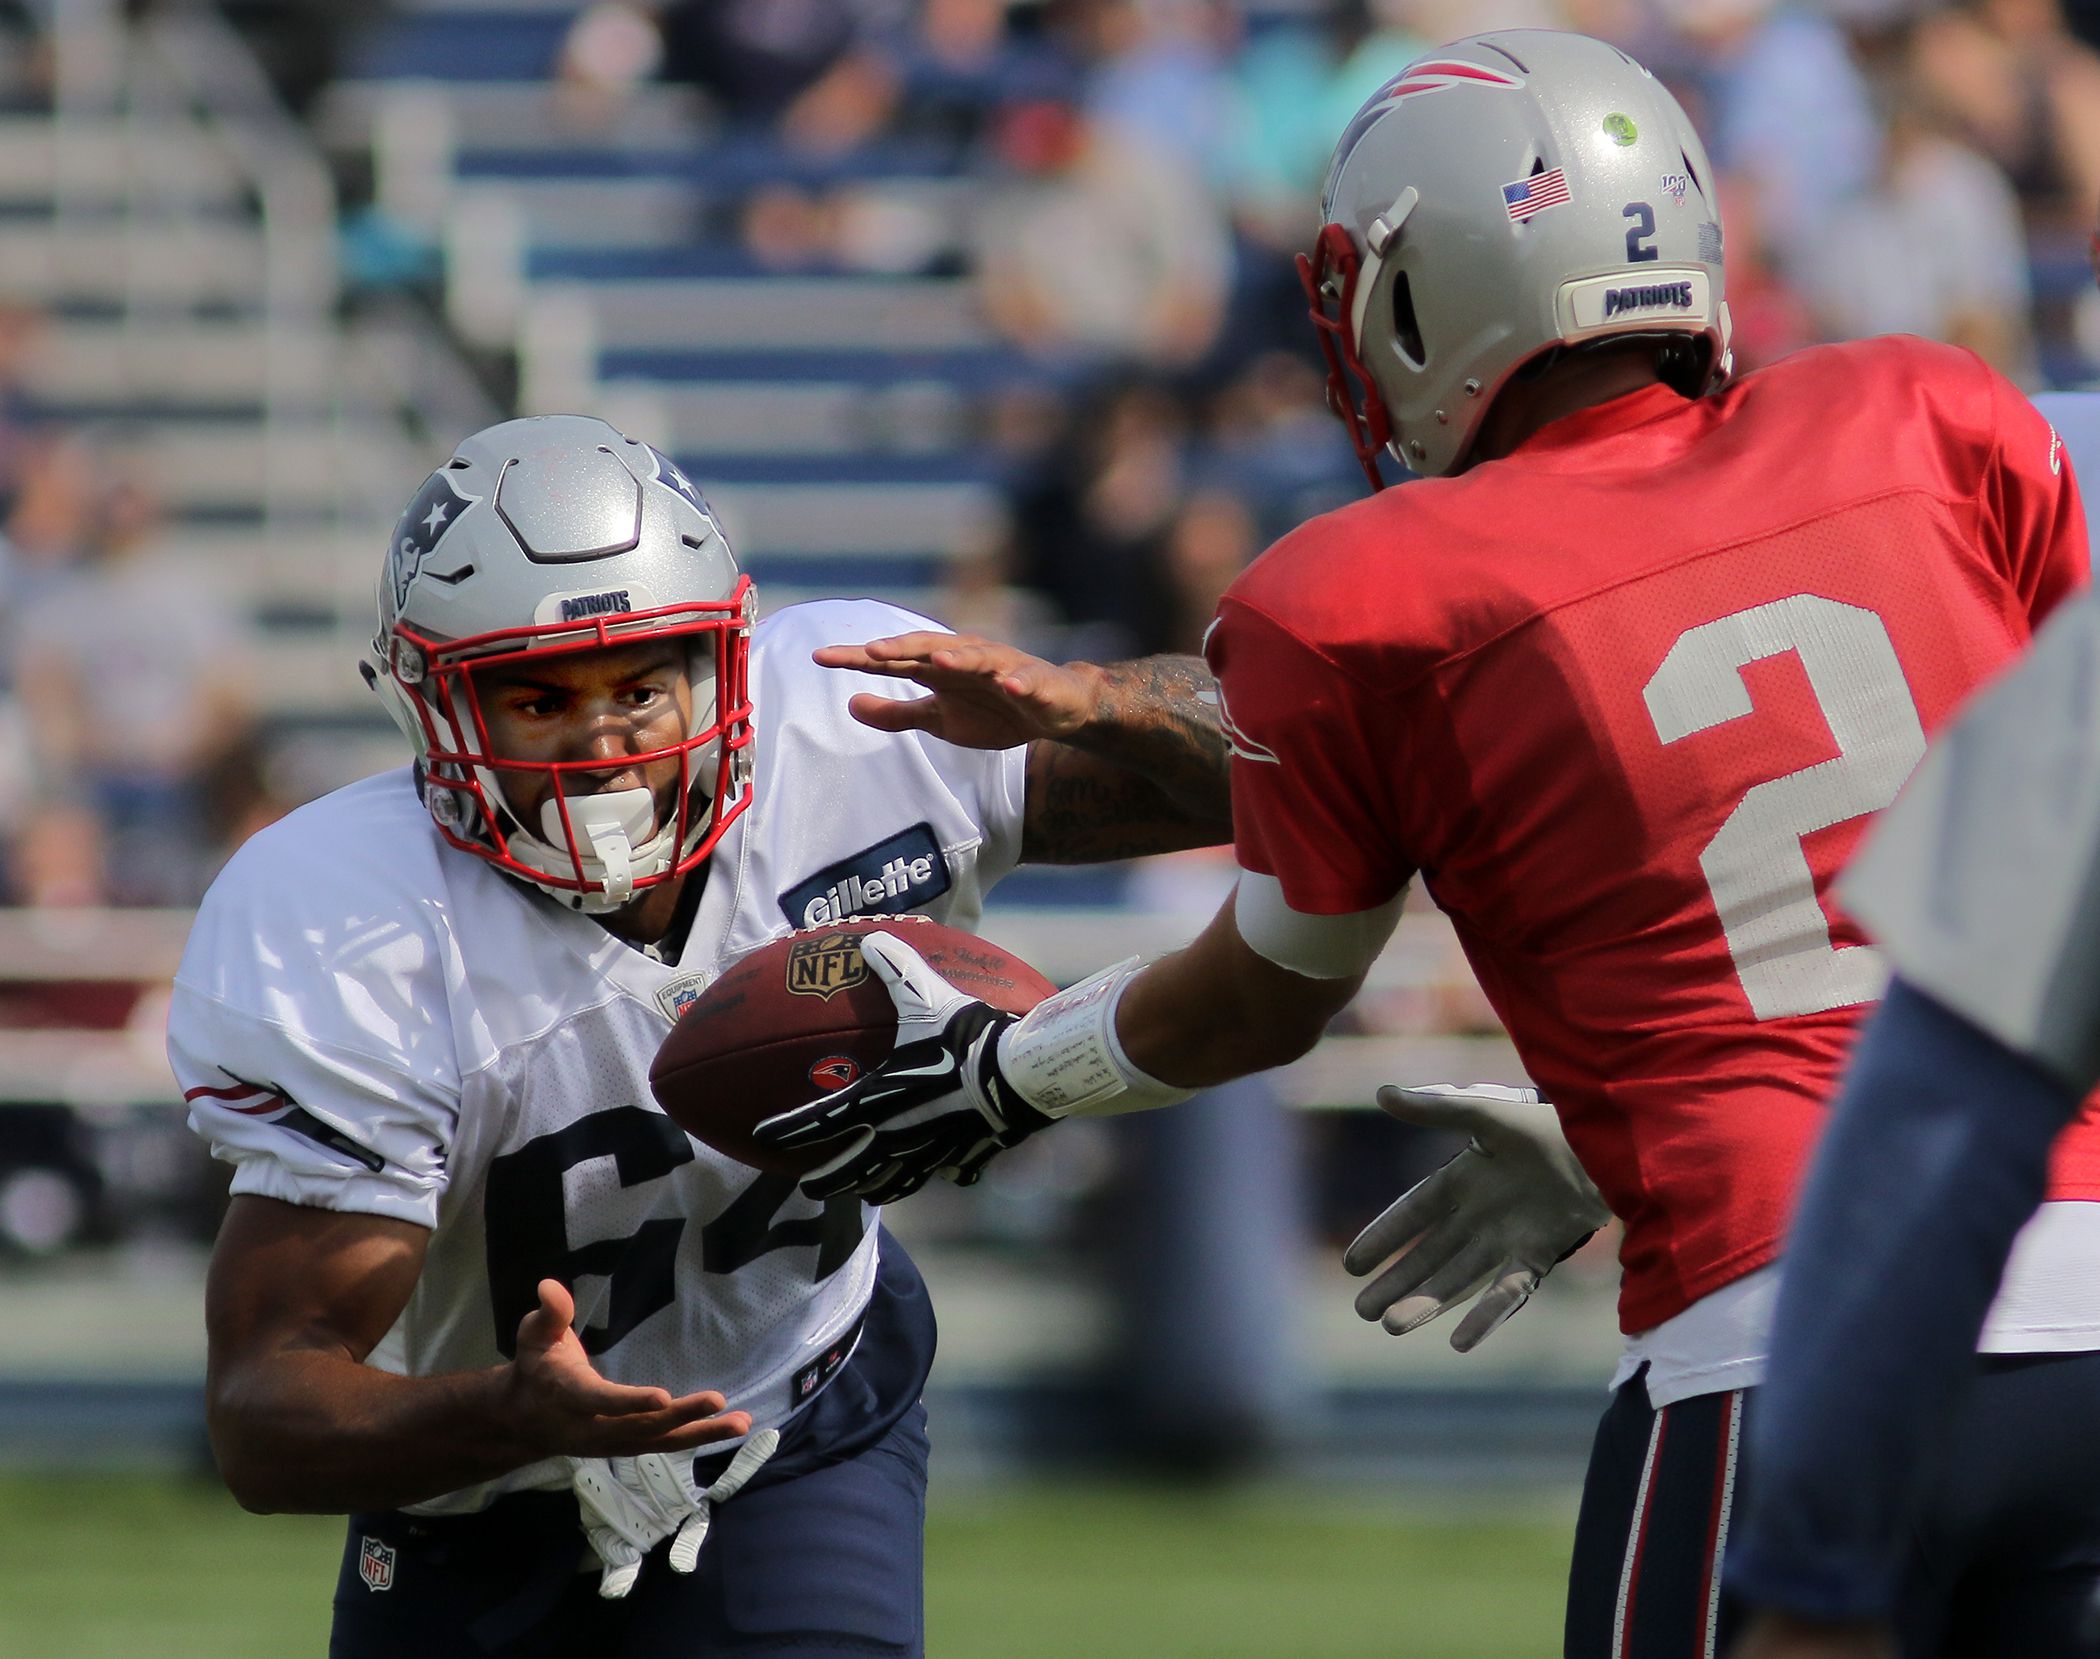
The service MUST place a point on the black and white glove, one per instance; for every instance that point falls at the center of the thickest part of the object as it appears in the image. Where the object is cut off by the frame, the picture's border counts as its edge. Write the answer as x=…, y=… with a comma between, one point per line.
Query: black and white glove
x=937, y=1106
x=630, y=1505
x=1506, y=1210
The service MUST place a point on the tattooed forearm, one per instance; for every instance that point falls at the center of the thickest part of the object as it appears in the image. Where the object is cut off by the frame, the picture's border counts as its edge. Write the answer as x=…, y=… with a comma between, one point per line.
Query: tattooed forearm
x=1147, y=774
x=1083, y=810
x=1159, y=716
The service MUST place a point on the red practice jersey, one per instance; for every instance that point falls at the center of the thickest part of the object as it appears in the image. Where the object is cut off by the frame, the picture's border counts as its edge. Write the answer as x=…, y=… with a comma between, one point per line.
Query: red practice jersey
x=1626, y=700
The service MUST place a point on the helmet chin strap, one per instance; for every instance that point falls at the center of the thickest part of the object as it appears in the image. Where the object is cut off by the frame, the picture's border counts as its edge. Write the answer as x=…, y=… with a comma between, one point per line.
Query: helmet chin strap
x=610, y=823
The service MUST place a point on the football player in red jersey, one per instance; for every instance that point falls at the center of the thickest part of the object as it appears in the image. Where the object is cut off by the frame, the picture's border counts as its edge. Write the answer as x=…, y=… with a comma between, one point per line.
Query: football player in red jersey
x=1622, y=679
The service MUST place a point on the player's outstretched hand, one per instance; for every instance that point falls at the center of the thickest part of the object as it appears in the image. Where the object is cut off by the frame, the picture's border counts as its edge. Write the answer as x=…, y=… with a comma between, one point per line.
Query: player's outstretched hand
x=1504, y=1211
x=985, y=695
x=557, y=1402
x=937, y=1106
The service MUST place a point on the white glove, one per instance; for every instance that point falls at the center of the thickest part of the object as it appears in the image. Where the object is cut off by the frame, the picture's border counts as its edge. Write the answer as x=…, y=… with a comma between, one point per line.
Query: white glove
x=632, y=1504
x=1504, y=1210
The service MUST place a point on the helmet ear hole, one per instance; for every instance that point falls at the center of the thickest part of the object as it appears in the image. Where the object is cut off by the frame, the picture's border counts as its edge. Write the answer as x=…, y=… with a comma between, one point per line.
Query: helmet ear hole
x=1684, y=363
x=1407, y=329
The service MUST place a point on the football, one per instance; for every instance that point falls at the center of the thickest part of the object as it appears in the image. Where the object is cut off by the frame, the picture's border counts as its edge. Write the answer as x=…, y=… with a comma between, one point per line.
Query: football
x=802, y=1016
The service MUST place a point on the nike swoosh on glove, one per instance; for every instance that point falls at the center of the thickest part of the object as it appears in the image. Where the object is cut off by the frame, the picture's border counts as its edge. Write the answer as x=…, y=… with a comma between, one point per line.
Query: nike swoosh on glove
x=937, y=1105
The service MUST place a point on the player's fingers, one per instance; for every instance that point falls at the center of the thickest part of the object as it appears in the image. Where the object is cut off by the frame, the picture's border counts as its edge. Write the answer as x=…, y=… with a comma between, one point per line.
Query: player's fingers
x=1441, y=1291
x=897, y=1180
x=1497, y=1303
x=920, y=645
x=681, y=1437
x=845, y=1172
x=967, y=1169
x=1431, y=1253
x=597, y=1396
x=914, y=986
x=897, y=654
x=896, y=714
x=544, y=1326
x=1409, y=1216
x=620, y=1574
x=1431, y=1106
x=805, y=1125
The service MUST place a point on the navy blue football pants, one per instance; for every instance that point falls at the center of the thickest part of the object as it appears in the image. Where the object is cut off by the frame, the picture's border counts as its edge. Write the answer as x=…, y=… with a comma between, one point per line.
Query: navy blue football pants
x=2005, y=1554
x=822, y=1554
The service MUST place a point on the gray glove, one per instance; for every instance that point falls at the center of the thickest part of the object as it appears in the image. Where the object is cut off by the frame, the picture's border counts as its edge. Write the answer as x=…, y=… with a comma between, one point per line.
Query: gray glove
x=632, y=1504
x=1504, y=1212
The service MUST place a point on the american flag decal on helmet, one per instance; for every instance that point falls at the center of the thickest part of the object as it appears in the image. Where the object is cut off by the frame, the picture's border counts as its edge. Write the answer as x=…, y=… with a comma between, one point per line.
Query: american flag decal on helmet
x=1535, y=194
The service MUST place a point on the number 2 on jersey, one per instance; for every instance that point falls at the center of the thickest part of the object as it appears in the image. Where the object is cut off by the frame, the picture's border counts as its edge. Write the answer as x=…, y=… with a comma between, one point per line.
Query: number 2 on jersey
x=1756, y=869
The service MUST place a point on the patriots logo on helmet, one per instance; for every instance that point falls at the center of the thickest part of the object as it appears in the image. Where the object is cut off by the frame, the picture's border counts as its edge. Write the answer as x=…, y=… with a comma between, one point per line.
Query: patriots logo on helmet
x=1427, y=75
x=669, y=473
x=436, y=506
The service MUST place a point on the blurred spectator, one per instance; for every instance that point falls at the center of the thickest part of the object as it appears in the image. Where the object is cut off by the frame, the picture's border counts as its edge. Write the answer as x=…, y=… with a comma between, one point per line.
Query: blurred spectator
x=1270, y=431
x=819, y=72
x=2022, y=89
x=59, y=858
x=1790, y=118
x=1285, y=80
x=1097, y=243
x=1770, y=317
x=129, y=677
x=1157, y=70
x=961, y=60
x=46, y=527
x=301, y=43
x=1212, y=540
x=1971, y=289
x=612, y=48
x=21, y=329
x=1091, y=528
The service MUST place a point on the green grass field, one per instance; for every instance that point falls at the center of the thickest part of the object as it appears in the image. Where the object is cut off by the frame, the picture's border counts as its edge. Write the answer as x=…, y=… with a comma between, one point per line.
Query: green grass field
x=159, y=1569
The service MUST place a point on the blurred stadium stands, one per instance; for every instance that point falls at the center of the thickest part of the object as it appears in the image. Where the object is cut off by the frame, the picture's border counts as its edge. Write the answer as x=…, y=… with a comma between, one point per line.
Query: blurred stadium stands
x=271, y=323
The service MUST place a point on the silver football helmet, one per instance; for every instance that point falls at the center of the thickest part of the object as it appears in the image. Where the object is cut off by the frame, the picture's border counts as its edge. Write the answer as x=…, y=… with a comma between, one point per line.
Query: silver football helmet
x=1505, y=196
x=543, y=538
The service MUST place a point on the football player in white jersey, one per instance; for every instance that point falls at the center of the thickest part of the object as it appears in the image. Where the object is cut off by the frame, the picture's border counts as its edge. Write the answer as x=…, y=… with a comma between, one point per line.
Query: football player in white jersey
x=473, y=1286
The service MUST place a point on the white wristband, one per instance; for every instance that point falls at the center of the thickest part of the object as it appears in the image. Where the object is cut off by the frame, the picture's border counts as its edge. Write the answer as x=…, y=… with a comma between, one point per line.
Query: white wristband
x=1064, y=1059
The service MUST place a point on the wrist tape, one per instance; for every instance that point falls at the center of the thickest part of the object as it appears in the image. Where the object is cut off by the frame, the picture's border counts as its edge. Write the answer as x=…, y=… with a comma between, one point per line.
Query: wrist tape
x=1064, y=1058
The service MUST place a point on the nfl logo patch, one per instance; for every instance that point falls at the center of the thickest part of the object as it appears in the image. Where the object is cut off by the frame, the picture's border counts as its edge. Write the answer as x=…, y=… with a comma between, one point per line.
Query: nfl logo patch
x=375, y=1563
x=824, y=966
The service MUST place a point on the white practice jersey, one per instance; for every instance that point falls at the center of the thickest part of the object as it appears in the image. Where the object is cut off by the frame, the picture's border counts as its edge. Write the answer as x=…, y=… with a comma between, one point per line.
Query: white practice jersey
x=367, y=1019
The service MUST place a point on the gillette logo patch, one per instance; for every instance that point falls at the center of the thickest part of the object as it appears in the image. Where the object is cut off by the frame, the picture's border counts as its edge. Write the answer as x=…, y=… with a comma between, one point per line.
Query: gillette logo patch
x=898, y=874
